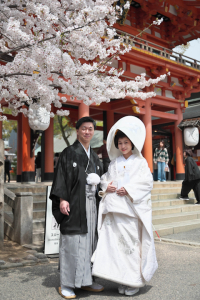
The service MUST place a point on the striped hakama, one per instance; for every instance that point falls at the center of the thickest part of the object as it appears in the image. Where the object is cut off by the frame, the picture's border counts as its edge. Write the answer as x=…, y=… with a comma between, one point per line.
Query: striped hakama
x=76, y=250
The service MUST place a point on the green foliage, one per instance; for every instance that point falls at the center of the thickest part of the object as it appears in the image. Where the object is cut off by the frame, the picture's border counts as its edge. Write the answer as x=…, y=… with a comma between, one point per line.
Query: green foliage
x=14, y=165
x=8, y=126
x=63, y=128
x=58, y=122
x=99, y=123
x=39, y=141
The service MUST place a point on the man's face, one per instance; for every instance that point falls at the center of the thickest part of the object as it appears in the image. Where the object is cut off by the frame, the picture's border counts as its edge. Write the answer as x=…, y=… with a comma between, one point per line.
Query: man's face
x=85, y=132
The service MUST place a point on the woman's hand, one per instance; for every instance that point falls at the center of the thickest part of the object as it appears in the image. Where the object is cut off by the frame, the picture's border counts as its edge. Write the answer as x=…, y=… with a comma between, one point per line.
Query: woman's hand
x=111, y=188
x=122, y=192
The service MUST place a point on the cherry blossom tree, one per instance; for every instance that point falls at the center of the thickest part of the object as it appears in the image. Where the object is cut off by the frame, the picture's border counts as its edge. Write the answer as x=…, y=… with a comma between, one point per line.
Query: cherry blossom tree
x=62, y=46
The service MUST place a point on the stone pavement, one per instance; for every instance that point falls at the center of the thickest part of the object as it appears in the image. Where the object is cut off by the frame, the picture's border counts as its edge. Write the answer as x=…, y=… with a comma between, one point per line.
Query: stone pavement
x=13, y=255
x=177, y=278
x=188, y=236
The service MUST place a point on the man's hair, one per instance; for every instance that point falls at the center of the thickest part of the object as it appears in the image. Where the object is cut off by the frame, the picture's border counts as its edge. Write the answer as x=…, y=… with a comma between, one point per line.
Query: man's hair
x=6, y=156
x=84, y=120
x=188, y=152
x=118, y=135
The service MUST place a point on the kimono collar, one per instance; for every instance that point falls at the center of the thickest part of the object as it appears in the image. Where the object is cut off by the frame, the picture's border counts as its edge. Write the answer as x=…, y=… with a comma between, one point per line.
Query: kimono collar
x=131, y=157
x=87, y=152
x=81, y=154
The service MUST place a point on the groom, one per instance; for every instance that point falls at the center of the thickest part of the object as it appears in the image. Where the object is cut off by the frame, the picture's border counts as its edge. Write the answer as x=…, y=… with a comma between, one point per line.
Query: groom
x=74, y=206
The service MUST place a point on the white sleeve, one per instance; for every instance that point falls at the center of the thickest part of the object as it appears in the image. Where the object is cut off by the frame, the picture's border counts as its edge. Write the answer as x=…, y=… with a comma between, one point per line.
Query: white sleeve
x=142, y=185
x=106, y=178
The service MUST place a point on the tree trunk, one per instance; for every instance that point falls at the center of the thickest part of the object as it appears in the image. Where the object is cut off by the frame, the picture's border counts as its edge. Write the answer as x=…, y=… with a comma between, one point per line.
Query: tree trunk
x=62, y=128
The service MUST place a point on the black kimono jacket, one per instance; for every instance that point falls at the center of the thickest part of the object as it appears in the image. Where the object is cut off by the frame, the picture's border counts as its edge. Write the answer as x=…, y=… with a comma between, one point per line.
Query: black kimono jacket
x=192, y=171
x=69, y=184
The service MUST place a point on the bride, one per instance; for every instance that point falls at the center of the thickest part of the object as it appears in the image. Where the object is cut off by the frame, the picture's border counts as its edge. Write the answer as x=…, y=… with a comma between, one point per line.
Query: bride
x=125, y=251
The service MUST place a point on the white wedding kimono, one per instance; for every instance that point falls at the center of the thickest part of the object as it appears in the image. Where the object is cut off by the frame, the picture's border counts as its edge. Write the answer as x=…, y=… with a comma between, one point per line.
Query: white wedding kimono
x=125, y=251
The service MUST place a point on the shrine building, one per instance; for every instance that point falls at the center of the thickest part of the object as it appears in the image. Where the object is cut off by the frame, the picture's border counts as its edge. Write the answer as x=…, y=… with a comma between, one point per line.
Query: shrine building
x=151, y=54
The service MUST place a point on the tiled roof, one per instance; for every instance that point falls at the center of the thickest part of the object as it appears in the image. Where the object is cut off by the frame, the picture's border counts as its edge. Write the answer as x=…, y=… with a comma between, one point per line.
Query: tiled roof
x=194, y=122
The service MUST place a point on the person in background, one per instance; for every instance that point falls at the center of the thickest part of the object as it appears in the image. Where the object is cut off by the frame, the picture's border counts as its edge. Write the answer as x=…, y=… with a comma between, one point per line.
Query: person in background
x=106, y=160
x=192, y=177
x=56, y=158
x=161, y=158
x=155, y=171
x=38, y=166
x=7, y=168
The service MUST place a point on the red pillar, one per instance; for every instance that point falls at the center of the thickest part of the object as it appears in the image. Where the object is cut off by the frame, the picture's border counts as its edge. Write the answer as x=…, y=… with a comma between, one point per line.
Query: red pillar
x=83, y=110
x=26, y=163
x=49, y=153
x=110, y=119
x=19, y=148
x=147, y=149
x=180, y=172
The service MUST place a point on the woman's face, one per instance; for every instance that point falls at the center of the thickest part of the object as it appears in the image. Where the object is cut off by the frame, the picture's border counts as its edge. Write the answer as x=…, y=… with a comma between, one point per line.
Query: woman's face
x=125, y=146
x=161, y=144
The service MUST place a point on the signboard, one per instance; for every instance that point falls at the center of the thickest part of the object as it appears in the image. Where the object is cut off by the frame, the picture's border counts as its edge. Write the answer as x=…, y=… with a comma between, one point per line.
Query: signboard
x=52, y=229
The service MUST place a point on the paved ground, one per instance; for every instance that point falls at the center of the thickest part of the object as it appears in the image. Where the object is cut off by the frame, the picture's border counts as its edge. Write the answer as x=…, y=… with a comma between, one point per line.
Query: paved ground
x=190, y=236
x=18, y=184
x=12, y=249
x=177, y=278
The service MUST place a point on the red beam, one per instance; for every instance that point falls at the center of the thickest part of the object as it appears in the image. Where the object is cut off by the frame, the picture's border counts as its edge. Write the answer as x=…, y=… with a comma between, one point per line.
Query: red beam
x=164, y=115
x=94, y=112
x=128, y=111
x=118, y=116
x=120, y=104
x=192, y=3
x=160, y=121
x=166, y=103
x=102, y=106
x=11, y=117
x=100, y=128
x=149, y=60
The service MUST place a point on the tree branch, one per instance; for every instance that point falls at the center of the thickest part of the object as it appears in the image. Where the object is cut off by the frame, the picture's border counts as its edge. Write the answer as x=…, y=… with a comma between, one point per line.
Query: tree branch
x=15, y=74
x=15, y=6
x=47, y=39
x=63, y=131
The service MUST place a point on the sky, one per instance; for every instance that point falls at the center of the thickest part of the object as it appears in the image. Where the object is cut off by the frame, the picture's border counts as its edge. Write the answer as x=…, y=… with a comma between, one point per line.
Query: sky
x=194, y=49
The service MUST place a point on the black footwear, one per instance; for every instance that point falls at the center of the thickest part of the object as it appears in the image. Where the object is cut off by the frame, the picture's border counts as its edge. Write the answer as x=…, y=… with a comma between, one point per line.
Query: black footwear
x=184, y=198
x=198, y=203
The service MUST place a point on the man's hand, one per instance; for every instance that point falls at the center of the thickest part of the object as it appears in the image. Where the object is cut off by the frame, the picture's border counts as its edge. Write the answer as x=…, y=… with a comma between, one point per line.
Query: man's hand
x=64, y=207
x=122, y=192
x=111, y=188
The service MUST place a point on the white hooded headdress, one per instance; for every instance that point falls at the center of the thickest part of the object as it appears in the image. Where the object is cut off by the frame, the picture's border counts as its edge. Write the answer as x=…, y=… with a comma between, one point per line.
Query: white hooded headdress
x=133, y=128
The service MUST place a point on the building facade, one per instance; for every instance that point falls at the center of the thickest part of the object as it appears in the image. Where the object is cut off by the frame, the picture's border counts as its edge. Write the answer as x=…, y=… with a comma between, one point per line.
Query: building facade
x=151, y=54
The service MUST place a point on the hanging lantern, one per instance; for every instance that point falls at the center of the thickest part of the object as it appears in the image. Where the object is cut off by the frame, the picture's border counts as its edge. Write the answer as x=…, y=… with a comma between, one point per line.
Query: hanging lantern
x=191, y=136
x=40, y=120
